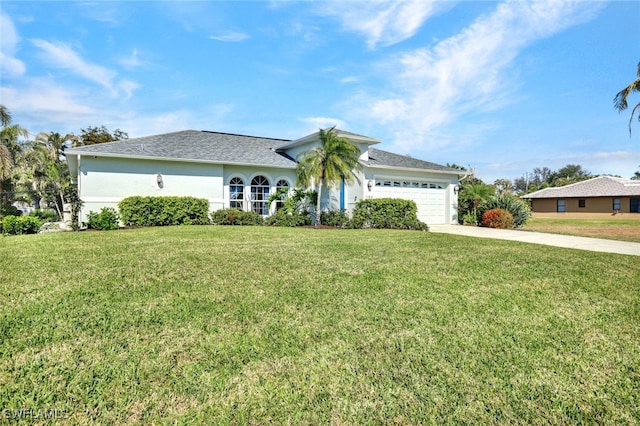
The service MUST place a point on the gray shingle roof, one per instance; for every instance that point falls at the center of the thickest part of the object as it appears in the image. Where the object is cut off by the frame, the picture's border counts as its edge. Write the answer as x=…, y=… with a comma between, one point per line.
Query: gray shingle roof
x=603, y=186
x=378, y=157
x=193, y=145
x=225, y=148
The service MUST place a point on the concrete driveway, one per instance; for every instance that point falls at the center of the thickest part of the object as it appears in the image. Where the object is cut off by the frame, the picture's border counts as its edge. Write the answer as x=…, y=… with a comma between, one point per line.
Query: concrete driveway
x=567, y=241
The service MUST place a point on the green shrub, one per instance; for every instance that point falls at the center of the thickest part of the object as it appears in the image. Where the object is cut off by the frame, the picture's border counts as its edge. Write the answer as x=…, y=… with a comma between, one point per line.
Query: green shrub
x=292, y=219
x=164, y=211
x=338, y=218
x=518, y=208
x=9, y=210
x=469, y=219
x=497, y=218
x=19, y=225
x=390, y=213
x=45, y=215
x=236, y=217
x=106, y=220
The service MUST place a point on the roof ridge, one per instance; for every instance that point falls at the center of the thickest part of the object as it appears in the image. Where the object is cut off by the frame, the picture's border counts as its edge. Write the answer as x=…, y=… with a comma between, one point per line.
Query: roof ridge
x=246, y=136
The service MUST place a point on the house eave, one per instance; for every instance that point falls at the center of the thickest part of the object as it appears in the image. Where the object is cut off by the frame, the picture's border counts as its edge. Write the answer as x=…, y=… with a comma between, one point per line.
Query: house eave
x=412, y=169
x=179, y=160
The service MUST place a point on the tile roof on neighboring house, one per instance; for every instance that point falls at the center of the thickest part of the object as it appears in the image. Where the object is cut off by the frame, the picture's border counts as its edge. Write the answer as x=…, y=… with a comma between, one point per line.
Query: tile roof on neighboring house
x=380, y=158
x=602, y=186
x=193, y=145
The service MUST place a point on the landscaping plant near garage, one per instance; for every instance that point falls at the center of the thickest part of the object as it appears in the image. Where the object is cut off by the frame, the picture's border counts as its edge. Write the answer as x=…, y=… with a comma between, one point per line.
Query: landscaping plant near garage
x=519, y=209
x=388, y=213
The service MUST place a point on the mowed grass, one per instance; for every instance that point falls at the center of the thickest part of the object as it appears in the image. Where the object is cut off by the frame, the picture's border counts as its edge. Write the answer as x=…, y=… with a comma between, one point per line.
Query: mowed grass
x=260, y=325
x=612, y=229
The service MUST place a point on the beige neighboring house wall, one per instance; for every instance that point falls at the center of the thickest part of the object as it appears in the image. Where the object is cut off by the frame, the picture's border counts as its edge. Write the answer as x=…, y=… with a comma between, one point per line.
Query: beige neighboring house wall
x=603, y=196
x=592, y=205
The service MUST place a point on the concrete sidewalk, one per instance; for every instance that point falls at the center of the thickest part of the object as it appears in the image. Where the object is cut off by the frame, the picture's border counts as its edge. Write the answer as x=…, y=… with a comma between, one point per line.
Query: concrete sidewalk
x=567, y=241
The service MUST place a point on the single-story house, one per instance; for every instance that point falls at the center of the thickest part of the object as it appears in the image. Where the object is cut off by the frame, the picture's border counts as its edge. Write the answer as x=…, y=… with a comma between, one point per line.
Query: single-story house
x=605, y=195
x=237, y=171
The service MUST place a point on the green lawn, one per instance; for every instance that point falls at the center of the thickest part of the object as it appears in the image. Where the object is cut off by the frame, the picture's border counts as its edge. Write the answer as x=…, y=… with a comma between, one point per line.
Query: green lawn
x=224, y=325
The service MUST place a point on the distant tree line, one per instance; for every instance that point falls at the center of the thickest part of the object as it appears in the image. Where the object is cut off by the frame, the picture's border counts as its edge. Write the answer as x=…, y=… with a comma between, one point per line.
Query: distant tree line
x=34, y=171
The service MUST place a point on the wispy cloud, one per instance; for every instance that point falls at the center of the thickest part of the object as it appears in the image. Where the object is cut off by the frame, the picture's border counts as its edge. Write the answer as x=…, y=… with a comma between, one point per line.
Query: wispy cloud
x=349, y=79
x=383, y=22
x=469, y=72
x=131, y=61
x=63, y=56
x=9, y=64
x=62, y=108
x=230, y=36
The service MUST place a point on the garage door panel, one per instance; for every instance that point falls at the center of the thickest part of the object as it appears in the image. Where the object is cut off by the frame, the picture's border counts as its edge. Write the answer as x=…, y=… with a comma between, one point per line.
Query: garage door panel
x=430, y=202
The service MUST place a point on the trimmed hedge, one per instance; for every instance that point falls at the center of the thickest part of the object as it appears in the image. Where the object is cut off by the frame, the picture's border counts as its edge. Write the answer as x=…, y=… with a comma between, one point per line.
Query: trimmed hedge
x=19, y=225
x=163, y=211
x=236, y=217
x=338, y=218
x=389, y=213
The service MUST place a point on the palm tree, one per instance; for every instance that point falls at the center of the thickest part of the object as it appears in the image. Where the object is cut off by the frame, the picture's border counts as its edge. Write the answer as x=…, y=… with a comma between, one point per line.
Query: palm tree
x=335, y=160
x=5, y=116
x=6, y=165
x=9, y=152
x=55, y=143
x=477, y=193
x=620, y=101
x=31, y=173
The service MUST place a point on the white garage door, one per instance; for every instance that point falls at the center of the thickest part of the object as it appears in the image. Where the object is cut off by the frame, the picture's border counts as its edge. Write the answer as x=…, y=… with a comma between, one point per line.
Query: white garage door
x=429, y=197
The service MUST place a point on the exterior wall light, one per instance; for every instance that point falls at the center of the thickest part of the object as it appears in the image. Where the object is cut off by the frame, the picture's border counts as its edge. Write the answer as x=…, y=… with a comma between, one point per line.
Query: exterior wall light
x=369, y=185
x=159, y=180
x=456, y=189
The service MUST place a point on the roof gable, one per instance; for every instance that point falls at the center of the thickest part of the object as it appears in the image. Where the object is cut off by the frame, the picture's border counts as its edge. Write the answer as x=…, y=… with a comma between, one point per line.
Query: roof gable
x=315, y=137
x=602, y=186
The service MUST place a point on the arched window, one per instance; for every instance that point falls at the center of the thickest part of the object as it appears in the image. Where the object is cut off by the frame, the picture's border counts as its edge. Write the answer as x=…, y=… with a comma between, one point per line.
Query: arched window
x=282, y=184
x=236, y=193
x=259, y=195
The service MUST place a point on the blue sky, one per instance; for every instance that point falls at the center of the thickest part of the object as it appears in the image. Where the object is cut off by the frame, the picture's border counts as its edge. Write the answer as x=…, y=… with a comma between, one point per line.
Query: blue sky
x=502, y=87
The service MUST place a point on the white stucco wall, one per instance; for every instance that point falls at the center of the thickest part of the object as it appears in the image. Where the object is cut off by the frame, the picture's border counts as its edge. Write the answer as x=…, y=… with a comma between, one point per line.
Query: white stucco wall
x=104, y=181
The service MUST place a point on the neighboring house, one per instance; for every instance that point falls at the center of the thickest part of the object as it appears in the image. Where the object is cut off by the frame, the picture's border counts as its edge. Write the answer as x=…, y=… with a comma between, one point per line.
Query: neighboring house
x=604, y=195
x=241, y=171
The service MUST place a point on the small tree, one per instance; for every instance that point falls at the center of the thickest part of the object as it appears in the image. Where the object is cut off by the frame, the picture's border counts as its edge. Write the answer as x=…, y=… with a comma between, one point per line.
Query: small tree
x=96, y=135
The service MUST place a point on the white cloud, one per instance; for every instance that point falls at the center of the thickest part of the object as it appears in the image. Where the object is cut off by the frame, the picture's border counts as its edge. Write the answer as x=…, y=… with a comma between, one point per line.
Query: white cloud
x=132, y=61
x=63, y=56
x=466, y=73
x=9, y=65
x=230, y=36
x=42, y=101
x=383, y=22
x=349, y=79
